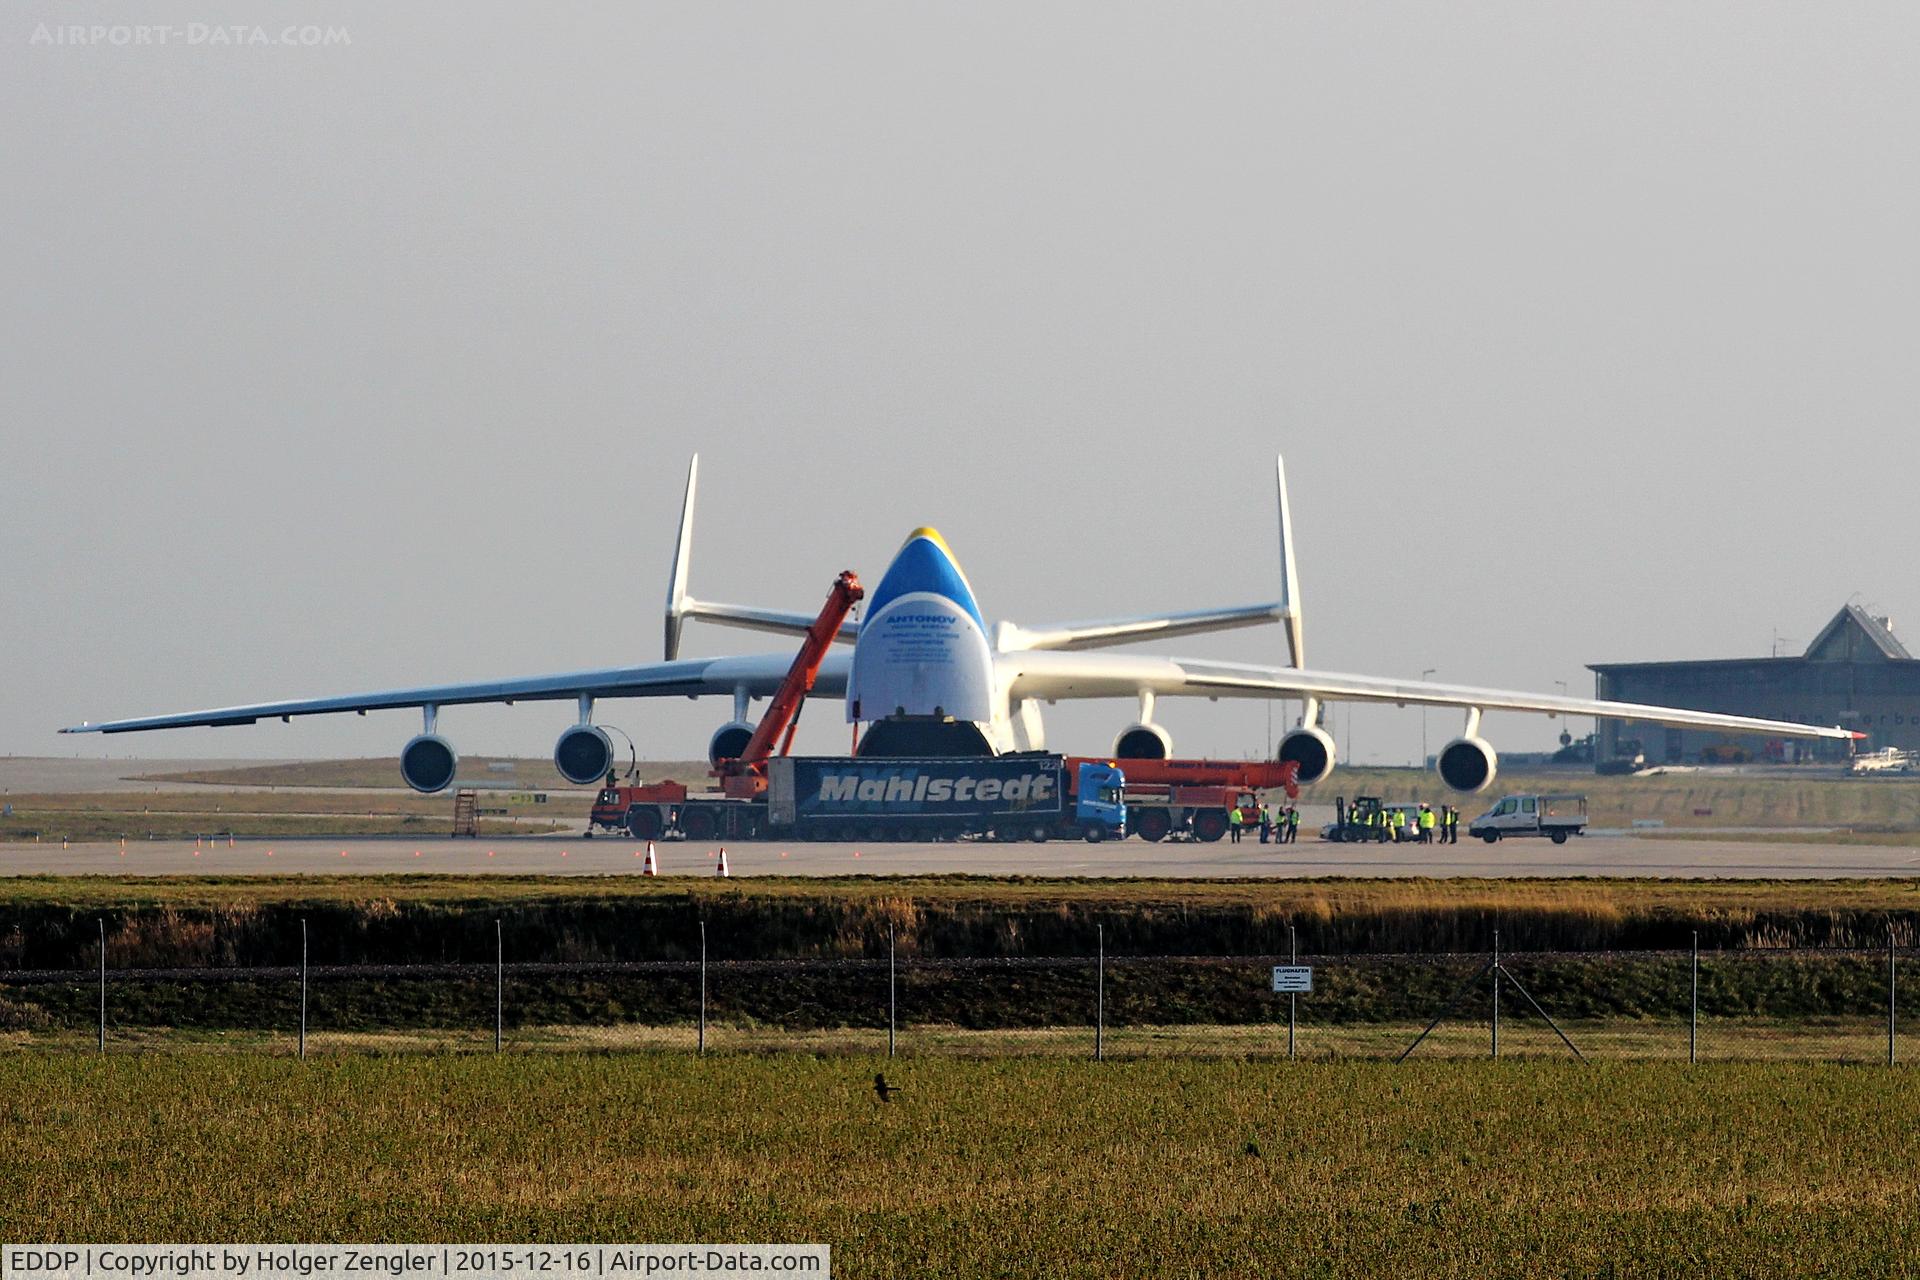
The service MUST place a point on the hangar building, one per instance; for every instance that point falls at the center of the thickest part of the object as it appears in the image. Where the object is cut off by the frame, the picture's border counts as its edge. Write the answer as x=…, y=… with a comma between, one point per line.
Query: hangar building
x=1854, y=674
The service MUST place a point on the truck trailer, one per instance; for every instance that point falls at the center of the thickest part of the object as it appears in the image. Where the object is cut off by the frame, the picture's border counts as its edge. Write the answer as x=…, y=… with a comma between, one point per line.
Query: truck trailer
x=1012, y=797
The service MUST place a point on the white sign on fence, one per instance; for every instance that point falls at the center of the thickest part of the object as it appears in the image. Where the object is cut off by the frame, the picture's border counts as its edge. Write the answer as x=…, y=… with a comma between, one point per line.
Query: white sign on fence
x=1293, y=979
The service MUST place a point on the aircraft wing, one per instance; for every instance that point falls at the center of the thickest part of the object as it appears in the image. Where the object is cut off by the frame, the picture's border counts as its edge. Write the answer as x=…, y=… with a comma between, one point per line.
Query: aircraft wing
x=1071, y=675
x=758, y=674
x=1113, y=631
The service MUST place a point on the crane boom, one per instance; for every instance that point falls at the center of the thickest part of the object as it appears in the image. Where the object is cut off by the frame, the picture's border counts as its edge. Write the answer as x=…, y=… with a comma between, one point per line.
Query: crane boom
x=783, y=712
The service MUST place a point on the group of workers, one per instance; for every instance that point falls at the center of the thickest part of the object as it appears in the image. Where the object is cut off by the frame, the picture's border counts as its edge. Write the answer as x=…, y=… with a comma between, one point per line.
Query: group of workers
x=1421, y=825
x=1279, y=827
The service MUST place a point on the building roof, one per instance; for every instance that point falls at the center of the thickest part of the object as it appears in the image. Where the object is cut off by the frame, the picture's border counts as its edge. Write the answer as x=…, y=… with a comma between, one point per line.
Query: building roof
x=1855, y=634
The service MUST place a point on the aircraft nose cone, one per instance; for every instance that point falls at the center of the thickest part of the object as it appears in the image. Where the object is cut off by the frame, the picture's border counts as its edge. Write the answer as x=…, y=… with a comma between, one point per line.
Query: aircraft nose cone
x=924, y=564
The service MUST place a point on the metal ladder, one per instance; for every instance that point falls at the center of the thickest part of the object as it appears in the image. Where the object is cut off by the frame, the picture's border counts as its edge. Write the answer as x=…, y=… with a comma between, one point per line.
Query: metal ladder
x=466, y=810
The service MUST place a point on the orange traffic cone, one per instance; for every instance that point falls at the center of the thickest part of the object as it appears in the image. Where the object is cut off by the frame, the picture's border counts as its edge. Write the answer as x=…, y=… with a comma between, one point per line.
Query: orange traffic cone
x=721, y=870
x=652, y=865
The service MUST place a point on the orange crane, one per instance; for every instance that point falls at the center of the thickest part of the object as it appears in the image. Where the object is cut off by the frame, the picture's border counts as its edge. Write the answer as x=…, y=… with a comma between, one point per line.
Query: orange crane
x=746, y=776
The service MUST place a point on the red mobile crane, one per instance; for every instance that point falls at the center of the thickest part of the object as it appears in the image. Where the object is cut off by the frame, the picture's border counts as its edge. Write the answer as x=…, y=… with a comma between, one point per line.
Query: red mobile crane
x=744, y=778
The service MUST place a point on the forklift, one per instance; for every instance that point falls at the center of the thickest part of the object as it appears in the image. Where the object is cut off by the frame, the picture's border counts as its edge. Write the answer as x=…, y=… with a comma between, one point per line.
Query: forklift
x=1357, y=822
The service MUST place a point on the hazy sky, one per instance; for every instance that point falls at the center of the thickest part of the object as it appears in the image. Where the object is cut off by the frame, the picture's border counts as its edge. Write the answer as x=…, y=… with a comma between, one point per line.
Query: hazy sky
x=1588, y=332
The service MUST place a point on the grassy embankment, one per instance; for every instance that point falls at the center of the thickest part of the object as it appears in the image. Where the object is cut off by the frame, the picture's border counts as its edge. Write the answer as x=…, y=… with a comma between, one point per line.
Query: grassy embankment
x=308, y=798
x=178, y=815
x=1352, y=928
x=1025, y=1166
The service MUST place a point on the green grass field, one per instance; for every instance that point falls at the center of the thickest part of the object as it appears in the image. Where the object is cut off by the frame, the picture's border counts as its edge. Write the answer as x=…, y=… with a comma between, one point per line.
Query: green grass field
x=136, y=815
x=1026, y=1166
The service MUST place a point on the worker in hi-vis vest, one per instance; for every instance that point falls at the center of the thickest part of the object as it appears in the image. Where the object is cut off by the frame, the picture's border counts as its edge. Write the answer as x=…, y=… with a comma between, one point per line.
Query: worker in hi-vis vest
x=1426, y=824
x=1235, y=820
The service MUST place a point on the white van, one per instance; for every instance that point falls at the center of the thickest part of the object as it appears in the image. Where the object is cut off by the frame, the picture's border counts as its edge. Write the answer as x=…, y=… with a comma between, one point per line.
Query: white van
x=1556, y=817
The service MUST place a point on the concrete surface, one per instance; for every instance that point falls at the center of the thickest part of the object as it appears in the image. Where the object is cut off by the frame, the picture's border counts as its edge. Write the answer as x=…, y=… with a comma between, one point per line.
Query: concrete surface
x=553, y=855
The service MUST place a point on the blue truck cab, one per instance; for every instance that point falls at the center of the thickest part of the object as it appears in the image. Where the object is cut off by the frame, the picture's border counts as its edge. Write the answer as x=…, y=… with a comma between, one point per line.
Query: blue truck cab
x=1101, y=805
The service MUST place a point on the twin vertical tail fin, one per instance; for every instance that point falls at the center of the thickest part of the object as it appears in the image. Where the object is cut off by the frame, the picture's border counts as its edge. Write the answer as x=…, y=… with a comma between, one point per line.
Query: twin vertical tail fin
x=677, y=597
x=1289, y=573
x=681, y=605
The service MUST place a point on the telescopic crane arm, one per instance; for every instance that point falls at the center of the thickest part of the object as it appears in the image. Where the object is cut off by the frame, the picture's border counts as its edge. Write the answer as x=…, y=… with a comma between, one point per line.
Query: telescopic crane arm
x=783, y=712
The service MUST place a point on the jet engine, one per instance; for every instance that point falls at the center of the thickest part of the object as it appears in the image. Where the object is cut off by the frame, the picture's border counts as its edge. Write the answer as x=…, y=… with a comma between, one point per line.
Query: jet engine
x=1468, y=764
x=584, y=754
x=728, y=741
x=1310, y=748
x=1143, y=742
x=427, y=763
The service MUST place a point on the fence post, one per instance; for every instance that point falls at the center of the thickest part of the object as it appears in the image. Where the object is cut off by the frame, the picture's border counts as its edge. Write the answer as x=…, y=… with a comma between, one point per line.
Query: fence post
x=1496, y=993
x=103, y=985
x=1100, y=993
x=1893, y=988
x=303, y=988
x=702, y=1045
x=499, y=983
x=891, y=1006
x=1293, y=1000
x=1693, y=1007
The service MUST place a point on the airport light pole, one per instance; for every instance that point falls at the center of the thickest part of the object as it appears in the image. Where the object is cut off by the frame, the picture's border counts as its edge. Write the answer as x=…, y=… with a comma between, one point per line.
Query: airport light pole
x=1423, y=721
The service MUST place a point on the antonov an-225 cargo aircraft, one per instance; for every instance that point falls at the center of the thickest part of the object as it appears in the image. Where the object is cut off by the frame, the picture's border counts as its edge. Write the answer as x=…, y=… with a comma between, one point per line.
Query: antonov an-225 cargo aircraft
x=927, y=676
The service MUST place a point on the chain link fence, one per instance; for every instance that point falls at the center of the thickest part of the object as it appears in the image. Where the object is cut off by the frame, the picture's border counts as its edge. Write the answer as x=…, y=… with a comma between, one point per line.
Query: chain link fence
x=1803, y=1003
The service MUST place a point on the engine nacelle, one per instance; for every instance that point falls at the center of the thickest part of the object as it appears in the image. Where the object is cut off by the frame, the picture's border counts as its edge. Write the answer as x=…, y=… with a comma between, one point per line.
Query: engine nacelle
x=1143, y=742
x=728, y=741
x=1468, y=764
x=1310, y=748
x=584, y=754
x=428, y=762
